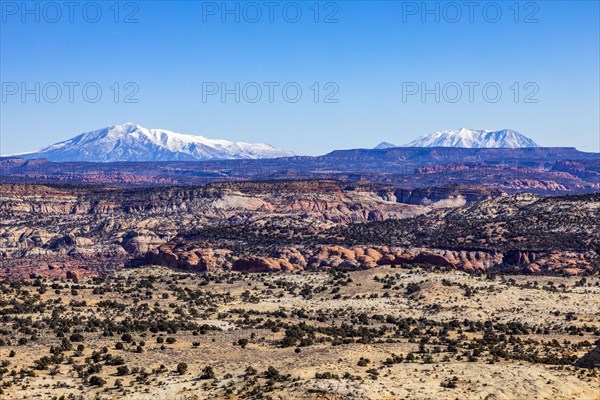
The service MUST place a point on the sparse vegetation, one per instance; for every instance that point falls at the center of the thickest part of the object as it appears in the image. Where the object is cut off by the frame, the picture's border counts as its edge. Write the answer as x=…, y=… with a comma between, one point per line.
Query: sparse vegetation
x=130, y=319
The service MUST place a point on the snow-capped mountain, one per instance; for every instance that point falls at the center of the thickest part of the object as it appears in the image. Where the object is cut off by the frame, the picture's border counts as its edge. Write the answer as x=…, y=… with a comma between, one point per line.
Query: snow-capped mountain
x=131, y=142
x=505, y=138
x=384, y=145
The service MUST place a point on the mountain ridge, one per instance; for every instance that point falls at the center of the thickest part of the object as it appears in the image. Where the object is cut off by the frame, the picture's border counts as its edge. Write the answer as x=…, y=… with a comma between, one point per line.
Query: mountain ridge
x=505, y=138
x=131, y=142
x=469, y=138
x=384, y=145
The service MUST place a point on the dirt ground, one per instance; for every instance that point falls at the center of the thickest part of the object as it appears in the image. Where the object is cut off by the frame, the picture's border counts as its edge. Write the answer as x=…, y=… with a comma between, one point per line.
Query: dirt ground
x=382, y=333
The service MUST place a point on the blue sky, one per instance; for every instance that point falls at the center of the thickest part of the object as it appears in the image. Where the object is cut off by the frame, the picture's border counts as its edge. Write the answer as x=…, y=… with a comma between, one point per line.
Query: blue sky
x=370, y=58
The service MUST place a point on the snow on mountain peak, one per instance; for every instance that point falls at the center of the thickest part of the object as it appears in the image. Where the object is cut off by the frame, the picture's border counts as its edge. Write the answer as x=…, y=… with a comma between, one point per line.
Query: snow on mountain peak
x=384, y=145
x=131, y=142
x=464, y=137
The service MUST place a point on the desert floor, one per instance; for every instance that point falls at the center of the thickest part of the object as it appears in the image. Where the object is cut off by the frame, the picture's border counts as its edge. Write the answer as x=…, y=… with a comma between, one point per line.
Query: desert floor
x=382, y=333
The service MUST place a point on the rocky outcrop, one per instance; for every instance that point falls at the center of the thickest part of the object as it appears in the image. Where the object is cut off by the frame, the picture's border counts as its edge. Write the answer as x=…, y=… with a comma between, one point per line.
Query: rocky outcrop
x=87, y=222
x=59, y=266
x=286, y=226
x=141, y=241
x=534, y=185
x=590, y=360
x=263, y=264
x=588, y=170
x=337, y=256
x=196, y=260
x=291, y=259
x=74, y=275
x=453, y=195
x=569, y=262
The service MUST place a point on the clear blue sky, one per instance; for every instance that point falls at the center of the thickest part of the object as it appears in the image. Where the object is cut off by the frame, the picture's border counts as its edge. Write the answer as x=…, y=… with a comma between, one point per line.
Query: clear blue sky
x=371, y=53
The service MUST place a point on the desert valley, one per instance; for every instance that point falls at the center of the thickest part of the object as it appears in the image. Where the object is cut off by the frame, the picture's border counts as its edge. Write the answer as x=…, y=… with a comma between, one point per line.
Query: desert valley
x=299, y=200
x=397, y=273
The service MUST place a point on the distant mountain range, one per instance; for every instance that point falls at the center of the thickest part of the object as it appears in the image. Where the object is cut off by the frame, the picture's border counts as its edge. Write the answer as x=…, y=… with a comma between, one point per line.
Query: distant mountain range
x=542, y=170
x=131, y=142
x=384, y=145
x=473, y=139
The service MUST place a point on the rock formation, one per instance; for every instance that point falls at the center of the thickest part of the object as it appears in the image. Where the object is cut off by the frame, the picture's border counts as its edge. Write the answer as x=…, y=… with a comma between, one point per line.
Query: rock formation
x=590, y=360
